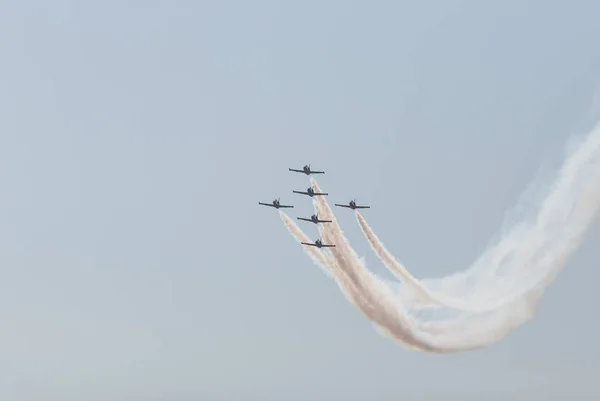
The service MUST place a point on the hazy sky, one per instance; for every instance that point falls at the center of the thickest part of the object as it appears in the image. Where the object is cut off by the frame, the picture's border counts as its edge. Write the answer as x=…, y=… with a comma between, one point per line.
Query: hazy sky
x=136, y=139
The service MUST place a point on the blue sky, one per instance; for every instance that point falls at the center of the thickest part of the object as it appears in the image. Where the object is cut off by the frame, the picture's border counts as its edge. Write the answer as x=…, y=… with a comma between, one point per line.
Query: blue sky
x=136, y=139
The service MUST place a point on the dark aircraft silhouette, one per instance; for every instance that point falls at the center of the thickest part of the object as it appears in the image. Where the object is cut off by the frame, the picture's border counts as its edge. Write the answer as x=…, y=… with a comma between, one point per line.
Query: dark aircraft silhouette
x=310, y=192
x=314, y=219
x=318, y=244
x=275, y=204
x=306, y=170
x=352, y=205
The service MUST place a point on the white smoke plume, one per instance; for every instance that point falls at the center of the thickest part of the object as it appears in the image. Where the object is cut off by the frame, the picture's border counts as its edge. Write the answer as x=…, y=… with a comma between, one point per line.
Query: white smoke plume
x=499, y=292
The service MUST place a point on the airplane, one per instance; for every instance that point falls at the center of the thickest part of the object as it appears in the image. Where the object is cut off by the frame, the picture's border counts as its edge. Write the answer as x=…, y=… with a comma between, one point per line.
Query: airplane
x=310, y=192
x=314, y=219
x=318, y=244
x=276, y=204
x=306, y=170
x=352, y=205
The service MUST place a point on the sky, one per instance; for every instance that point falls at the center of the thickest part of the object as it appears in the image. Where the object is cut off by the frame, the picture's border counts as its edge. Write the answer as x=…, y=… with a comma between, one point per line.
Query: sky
x=136, y=139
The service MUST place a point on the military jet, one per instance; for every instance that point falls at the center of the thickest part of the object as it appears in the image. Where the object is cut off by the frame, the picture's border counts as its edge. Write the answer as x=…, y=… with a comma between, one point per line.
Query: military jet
x=352, y=205
x=314, y=219
x=318, y=244
x=276, y=204
x=310, y=192
x=306, y=170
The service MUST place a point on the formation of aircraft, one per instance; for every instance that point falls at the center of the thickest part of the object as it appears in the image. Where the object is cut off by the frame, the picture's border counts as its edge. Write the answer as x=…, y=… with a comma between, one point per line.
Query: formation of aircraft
x=314, y=218
x=276, y=204
x=311, y=192
x=352, y=205
x=318, y=244
x=306, y=170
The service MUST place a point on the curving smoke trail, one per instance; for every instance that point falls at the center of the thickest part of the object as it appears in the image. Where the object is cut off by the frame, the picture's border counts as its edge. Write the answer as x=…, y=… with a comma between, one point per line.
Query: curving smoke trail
x=464, y=332
x=354, y=294
x=528, y=256
x=499, y=292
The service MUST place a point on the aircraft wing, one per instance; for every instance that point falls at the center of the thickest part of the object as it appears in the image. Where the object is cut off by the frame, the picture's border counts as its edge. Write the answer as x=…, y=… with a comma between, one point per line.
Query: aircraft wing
x=300, y=192
x=323, y=221
x=297, y=171
x=307, y=243
x=321, y=194
x=362, y=207
x=328, y=246
x=303, y=218
x=337, y=204
x=317, y=172
x=266, y=204
x=285, y=206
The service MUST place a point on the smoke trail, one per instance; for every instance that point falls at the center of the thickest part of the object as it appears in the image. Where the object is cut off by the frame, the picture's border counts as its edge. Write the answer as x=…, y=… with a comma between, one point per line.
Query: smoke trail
x=321, y=259
x=420, y=296
x=414, y=294
x=377, y=298
x=324, y=259
x=460, y=334
x=375, y=302
x=353, y=294
x=439, y=337
x=375, y=305
x=530, y=256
